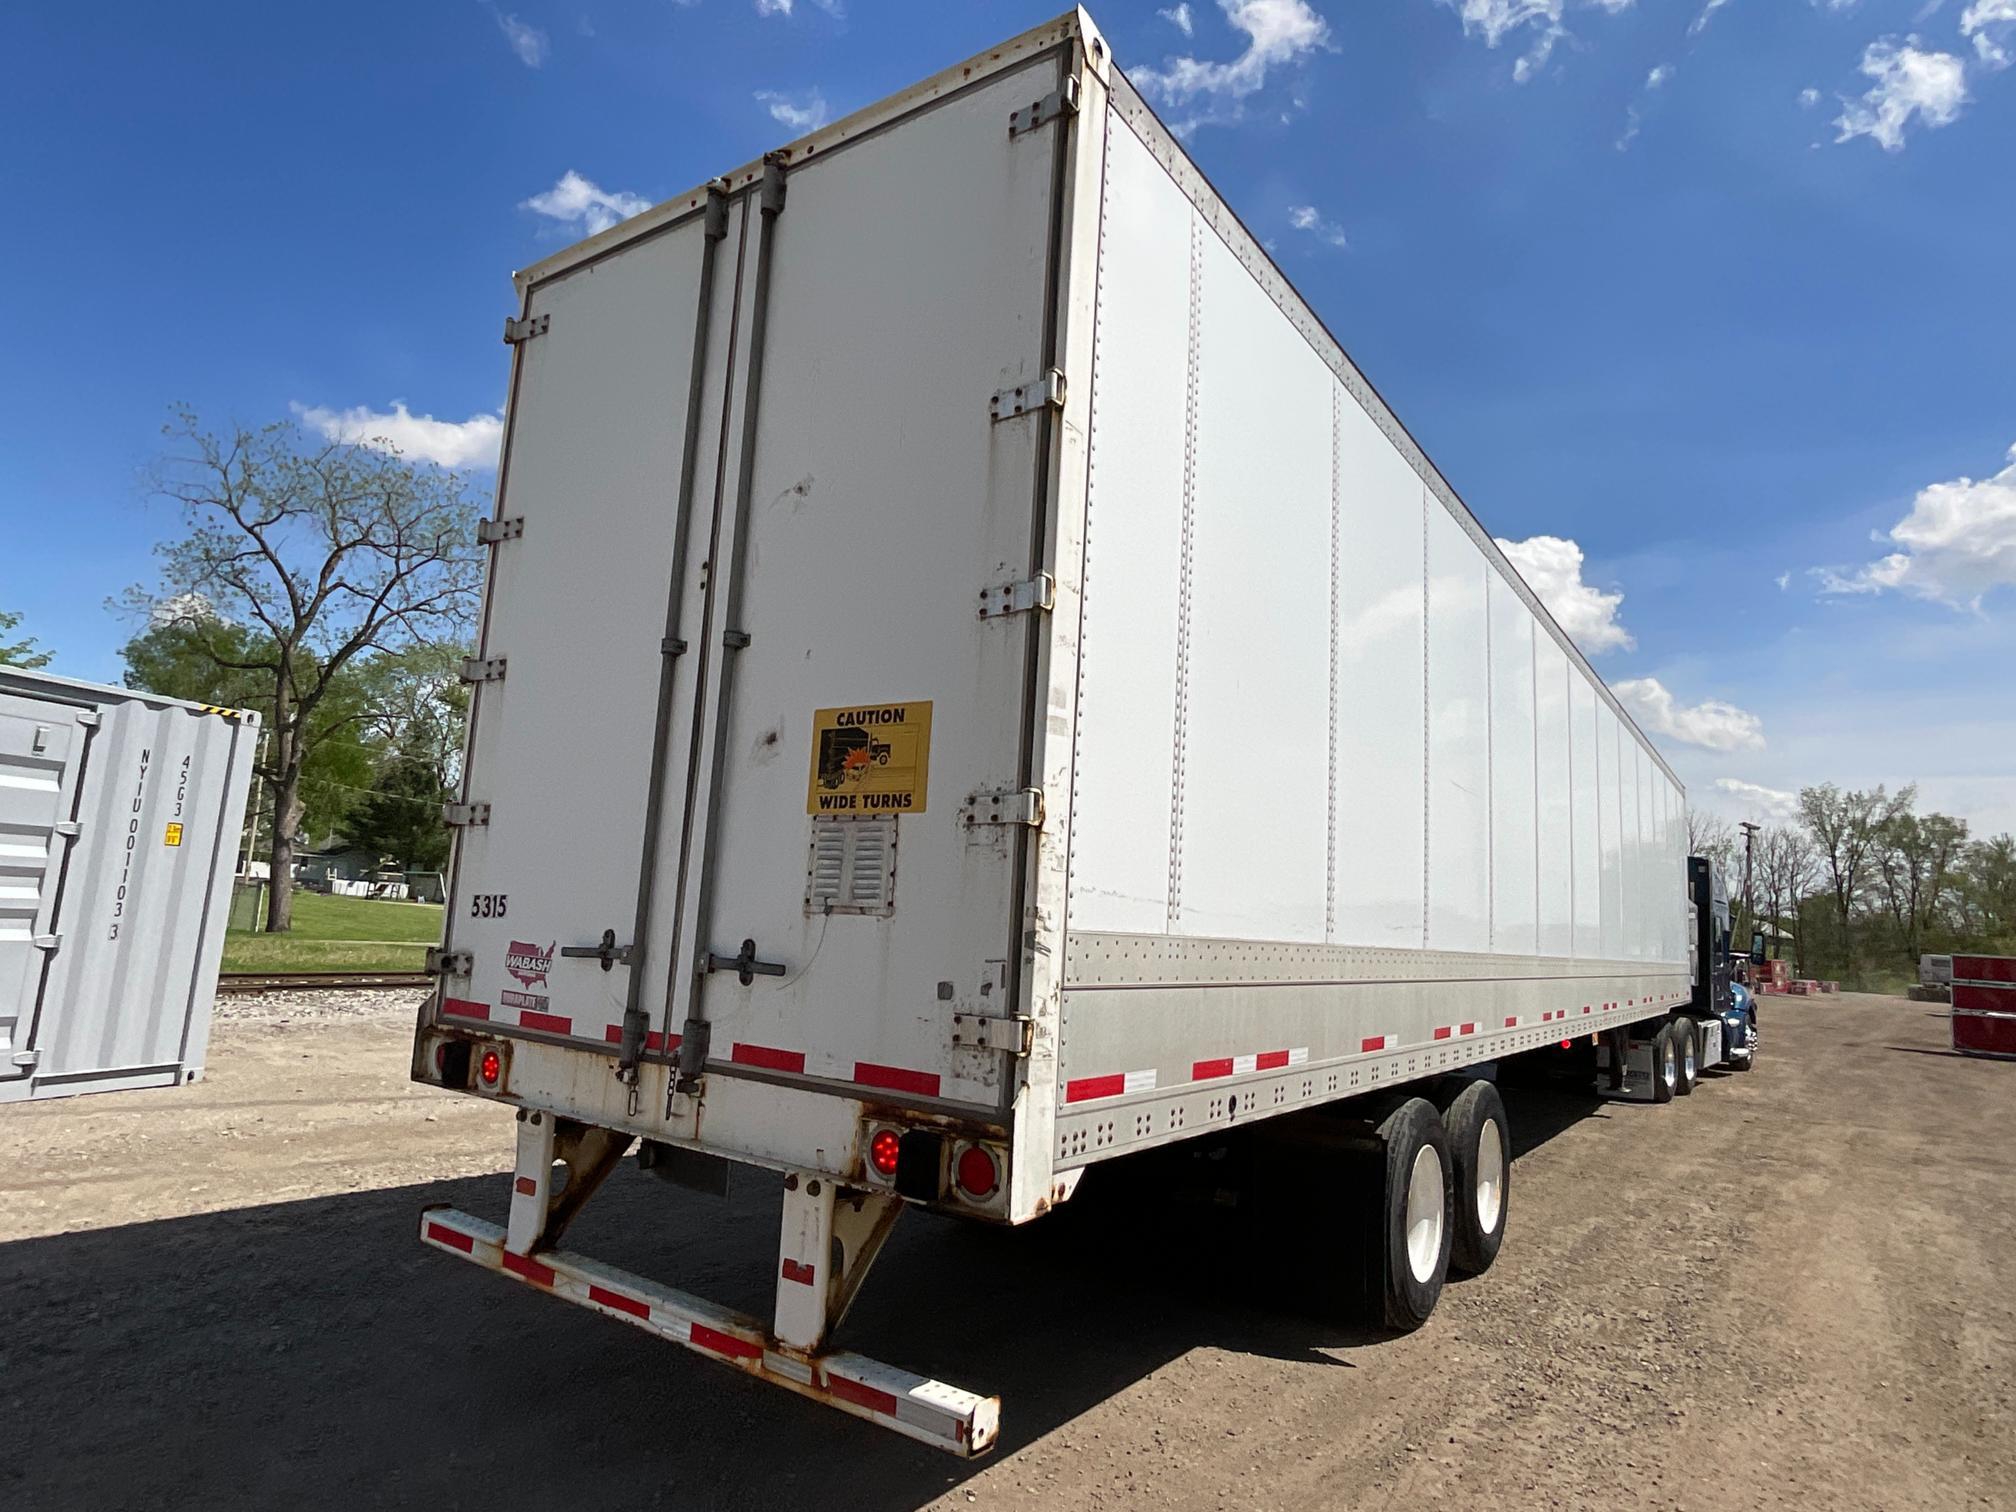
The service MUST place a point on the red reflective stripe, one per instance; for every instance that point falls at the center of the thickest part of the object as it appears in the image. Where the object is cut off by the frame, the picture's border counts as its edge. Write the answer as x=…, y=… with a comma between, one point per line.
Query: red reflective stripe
x=1585, y=1007
x=526, y=1185
x=1272, y=1060
x=463, y=1008
x=440, y=1233
x=1089, y=1087
x=725, y=1344
x=618, y=1301
x=551, y=1023
x=530, y=1269
x=1377, y=1042
x=769, y=1059
x=871, y=1075
x=865, y=1396
x=653, y=1041
x=797, y=1270
x=1443, y=1032
x=1205, y=1070
x=1512, y=1022
x=1469, y=1028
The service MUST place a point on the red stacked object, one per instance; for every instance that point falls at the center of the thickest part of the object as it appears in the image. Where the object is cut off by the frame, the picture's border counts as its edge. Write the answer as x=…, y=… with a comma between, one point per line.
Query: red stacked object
x=1984, y=1005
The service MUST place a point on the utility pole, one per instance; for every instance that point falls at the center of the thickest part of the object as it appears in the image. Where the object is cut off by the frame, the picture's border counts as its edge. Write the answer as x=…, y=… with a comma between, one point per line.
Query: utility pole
x=1749, y=907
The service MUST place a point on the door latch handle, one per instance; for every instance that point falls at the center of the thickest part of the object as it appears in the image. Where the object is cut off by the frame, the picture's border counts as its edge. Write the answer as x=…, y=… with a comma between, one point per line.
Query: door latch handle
x=745, y=965
x=608, y=952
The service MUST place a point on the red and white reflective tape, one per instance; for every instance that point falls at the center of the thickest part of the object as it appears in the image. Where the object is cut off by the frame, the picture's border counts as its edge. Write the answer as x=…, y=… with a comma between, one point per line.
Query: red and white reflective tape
x=915, y=1406
x=1242, y=1065
x=1119, y=1084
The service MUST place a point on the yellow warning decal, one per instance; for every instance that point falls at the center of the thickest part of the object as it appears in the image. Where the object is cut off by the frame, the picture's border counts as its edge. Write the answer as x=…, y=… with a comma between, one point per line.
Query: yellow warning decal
x=174, y=835
x=215, y=709
x=870, y=759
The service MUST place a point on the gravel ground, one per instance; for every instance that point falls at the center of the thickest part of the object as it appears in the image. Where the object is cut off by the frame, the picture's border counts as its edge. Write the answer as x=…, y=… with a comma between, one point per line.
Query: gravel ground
x=1792, y=1289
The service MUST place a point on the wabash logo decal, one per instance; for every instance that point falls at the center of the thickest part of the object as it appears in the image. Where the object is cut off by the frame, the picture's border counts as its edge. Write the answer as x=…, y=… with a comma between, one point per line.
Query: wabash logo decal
x=528, y=963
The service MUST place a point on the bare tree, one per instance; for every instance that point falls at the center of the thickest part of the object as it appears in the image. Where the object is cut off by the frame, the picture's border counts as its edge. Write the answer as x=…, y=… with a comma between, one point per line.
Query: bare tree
x=1847, y=831
x=1712, y=837
x=332, y=551
x=1786, y=871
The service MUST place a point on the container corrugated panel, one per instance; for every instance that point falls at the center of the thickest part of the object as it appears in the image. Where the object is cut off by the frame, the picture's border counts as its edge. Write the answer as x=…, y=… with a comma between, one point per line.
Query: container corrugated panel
x=120, y=819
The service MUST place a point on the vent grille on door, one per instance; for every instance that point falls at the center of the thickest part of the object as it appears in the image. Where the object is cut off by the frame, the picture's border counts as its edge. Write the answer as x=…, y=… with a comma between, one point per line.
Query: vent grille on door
x=852, y=865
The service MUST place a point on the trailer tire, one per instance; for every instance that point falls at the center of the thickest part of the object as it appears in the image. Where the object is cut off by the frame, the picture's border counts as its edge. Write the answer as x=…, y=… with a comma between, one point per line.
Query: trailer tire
x=1687, y=1055
x=1414, y=1232
x=1480, y=1150
x=1665, y=1065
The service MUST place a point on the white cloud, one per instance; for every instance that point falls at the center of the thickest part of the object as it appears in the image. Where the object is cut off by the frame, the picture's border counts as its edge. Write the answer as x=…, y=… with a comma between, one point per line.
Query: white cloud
x=1783, y=580
x=1772, y=803
x=1659, y=76
x=1956, y=546
x=418, y=438
x=1277, y=33
x=1808, y=98
x=526, y=40
x=1909, y=81
x=1700, y=23
x=1712, y=723
x=584, y=206
x=1552, y=568
x=784, y=7
x=1991, y=26
x=1308, y=218
x=1179, y=17
x=1494, y=20
x=799, y=112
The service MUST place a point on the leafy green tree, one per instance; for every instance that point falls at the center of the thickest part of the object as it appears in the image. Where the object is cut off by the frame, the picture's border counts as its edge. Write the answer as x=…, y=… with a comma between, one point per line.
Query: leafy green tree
x=187, y=656
x=327, y=554
x=21, y=653
x=401, y=816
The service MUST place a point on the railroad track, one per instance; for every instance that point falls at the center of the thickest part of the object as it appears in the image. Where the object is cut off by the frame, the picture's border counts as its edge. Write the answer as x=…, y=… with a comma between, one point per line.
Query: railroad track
x=239, y=982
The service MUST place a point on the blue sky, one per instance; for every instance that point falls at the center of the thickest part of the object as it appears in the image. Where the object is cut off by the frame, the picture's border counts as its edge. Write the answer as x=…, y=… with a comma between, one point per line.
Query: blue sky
x=1719, y=293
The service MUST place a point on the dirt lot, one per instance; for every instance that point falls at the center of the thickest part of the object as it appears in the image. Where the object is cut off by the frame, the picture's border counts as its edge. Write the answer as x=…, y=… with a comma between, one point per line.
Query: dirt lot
x=1796, y=1288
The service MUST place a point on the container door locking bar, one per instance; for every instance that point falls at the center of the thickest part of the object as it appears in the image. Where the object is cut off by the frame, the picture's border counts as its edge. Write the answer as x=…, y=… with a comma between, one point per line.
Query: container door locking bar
x=608, y=952
x=744, y=964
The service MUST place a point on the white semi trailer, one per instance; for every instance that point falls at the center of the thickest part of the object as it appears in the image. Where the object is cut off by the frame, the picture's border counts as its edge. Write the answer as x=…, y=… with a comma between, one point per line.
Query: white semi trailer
x=975, y=683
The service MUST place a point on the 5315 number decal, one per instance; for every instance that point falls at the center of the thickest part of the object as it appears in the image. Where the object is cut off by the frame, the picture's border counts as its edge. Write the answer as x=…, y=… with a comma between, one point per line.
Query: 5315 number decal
x=487, y=905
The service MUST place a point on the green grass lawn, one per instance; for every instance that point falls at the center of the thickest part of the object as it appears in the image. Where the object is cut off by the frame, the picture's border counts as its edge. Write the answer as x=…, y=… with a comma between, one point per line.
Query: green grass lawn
x=340, y=934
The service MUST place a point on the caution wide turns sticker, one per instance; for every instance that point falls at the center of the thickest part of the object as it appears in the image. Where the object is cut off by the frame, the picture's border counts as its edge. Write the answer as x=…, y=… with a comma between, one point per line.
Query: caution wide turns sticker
x=871, y=759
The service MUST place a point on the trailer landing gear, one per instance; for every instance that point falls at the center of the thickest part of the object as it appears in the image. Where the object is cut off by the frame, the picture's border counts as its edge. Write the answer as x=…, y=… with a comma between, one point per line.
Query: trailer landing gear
x=829, y=1237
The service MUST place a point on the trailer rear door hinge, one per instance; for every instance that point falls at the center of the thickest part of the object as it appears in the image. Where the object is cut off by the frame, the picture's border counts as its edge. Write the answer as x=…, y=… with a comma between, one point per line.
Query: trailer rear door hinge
x=516, y=330
x=1061, y=101
x=1044, y=393
x=1025, y=597
x=27, y=1060
x=444, y=962
x=47, y=942
x=1023, y=806
x=490, y=532
x=465, y=815
x=90, y=719
x=973, y=1031
x=480, y=669
x=69, y=829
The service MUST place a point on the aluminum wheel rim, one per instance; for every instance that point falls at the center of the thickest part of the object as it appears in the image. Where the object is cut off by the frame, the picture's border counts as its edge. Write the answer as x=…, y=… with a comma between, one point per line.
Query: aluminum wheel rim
x=1424, y=1213
x=1669, y=1069
x=1690, y=1057
x=1490, y=1177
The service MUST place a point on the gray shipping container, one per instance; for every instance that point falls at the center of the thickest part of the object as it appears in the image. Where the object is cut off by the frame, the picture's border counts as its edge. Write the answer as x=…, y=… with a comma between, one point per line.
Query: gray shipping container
x=120, y=816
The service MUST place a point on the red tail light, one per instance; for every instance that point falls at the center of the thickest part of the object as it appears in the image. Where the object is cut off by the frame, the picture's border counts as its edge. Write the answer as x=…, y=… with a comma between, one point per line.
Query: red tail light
x=883, y=1151
x=976, y=1172
x=491, y=1066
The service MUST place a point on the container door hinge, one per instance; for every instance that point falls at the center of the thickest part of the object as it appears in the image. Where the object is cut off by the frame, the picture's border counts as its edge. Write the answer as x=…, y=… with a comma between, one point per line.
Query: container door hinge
x=1023, y=806
x=450, y=963
x=1061, y=101
x=516, y=330
x=481, y=669
x=69, y=829
x=465, y=815
x=90, y=719
x=970, y=1031
x=490, y=532
x=1046, y=392
x=1032, y=595
x=27, y=1060
x=47, y=942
